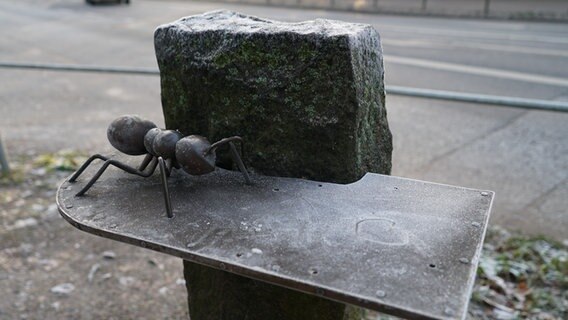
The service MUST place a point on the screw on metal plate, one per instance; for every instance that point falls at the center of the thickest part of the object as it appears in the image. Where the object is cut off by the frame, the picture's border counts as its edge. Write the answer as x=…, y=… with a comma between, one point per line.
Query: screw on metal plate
x=69, y=206
x=484, y=193
x=464, y=260
x=164, y=149
x=476, y=224
x=380, y=294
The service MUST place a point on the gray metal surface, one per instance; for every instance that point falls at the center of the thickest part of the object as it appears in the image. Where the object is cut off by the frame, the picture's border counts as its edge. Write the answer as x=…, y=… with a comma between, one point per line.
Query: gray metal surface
x=399, y=246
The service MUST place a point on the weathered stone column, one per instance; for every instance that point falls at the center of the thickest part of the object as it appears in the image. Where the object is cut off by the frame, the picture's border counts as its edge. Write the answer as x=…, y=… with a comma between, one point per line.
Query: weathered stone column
x=308, y=99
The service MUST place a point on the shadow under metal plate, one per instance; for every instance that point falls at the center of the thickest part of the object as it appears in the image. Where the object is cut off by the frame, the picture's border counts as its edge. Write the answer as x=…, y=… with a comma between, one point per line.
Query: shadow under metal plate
x=403, y=247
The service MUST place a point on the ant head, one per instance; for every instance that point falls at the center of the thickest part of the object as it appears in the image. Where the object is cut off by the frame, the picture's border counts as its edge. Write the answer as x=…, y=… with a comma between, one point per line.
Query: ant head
x=195, y=156
x=162, y=143
x=127, y=133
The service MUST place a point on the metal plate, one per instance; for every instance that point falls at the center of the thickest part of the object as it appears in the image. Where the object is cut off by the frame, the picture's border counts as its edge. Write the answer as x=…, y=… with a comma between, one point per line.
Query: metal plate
x=399, y=246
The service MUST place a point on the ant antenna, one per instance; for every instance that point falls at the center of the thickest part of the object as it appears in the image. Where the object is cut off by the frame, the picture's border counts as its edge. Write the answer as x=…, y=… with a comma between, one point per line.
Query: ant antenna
x=234, y=153
x=224, y=141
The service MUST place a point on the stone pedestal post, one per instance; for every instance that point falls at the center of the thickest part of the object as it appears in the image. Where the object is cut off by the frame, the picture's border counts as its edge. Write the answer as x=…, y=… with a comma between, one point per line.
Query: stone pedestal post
x=308, y=100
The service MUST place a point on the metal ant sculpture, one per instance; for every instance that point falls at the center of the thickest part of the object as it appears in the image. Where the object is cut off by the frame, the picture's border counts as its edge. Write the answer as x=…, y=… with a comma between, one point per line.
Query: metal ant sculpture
x=167, y=149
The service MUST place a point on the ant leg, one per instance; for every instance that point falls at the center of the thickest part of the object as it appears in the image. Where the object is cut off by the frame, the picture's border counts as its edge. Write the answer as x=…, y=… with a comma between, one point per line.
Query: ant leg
x=85, y=165
x=164, y=175
x=145, y=162
x=119, y=165
x=239, y=161
x=152, y=165
x=168, y=166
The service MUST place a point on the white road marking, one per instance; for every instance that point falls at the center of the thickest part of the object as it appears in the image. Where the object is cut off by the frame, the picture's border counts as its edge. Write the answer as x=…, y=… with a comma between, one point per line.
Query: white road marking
x=440, y=45
x=497, y=73
x=493, y=35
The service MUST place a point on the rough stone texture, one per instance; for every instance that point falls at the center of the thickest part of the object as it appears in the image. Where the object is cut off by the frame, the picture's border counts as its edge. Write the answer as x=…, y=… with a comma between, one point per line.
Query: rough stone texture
x=308, y=98
x=215, y=294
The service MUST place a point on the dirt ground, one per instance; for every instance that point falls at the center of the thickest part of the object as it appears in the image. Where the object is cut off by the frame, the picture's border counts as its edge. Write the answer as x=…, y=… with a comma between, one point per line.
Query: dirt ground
x=49, y=270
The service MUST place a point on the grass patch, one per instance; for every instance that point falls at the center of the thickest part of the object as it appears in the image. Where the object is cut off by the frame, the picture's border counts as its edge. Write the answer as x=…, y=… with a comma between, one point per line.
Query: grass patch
x=64, y=160
x=16, y=175
x=521, y=277
x=24, y=168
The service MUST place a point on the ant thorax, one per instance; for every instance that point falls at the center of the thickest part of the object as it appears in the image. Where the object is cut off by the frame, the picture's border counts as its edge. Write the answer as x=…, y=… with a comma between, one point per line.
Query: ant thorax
x=162, y=143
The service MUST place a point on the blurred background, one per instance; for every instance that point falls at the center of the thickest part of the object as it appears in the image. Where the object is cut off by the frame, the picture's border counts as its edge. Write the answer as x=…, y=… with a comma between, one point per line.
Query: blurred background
x=50, y=119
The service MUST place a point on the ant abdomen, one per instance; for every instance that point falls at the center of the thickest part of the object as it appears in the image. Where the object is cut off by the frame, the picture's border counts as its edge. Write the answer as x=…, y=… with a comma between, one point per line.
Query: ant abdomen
x=127, y=133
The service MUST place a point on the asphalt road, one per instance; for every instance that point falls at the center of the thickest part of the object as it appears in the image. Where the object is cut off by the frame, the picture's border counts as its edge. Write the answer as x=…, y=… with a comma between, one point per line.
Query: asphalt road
x=522, y=155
